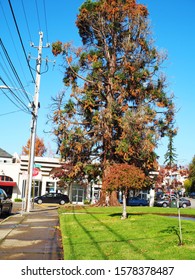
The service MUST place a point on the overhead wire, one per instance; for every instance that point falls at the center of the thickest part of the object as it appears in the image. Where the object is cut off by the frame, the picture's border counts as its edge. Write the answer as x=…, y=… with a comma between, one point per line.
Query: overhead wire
x=38, y=15
x=21, y=40
x=7, y=71
x=13, y=41
x=45, y=16
x=9, y=113
x=18, y=101
x=13, y=69
x=24, y=107
x=26, y=19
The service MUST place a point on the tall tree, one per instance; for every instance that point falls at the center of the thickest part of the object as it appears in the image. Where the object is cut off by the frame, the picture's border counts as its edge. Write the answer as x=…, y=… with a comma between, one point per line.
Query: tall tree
x=40, y=148
x=119, y=107
x=170, y=156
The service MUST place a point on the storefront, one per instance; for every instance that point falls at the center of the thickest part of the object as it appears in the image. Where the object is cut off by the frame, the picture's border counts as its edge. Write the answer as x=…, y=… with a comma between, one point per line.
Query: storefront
x=7, y=184
x=78, y=194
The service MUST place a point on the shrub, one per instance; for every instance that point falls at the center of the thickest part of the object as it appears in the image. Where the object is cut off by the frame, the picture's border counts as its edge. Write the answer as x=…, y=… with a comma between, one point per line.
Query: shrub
x=17, y=200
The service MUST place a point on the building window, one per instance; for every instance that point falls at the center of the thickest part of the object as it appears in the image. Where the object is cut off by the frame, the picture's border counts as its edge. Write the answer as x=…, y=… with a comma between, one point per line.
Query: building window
x=50, y=187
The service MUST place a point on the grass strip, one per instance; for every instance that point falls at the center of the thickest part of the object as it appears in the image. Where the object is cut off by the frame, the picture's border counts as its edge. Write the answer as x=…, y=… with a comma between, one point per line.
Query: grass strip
x=149, y=233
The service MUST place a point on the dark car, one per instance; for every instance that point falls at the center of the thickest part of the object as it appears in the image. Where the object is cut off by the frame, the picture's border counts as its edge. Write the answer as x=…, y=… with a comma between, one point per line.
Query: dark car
x=184, y=202
x=5, y=203
x=172, y=202
x=52, y=198
x=137, y=201
x=192, y=194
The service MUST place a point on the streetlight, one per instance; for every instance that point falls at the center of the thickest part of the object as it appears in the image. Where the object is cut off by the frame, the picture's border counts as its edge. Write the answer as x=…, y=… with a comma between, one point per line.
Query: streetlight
x=32, y=149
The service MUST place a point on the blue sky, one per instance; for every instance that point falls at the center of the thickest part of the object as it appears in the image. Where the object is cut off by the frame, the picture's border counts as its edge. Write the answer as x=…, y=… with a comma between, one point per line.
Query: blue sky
x=172, y=24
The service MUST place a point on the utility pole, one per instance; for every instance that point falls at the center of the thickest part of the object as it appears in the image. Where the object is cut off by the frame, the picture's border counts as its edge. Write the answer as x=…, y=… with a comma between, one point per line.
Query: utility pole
x=35, y=107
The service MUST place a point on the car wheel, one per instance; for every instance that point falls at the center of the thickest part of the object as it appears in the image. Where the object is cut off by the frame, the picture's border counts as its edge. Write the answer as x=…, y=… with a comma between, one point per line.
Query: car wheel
x=39, y=201
x=140, y=204
x=164, y=204
x=62, y=202
x=184, y=205
x=0, y=211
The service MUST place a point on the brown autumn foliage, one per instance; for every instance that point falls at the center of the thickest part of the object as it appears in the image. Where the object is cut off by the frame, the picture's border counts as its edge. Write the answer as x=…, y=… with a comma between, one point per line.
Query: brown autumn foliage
x=40, y=148
x=123, y=176
x=117, y=90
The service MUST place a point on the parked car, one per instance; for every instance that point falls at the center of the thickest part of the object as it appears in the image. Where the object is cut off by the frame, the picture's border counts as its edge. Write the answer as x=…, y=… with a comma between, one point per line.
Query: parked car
x=192, y=194
x=137, y=201
x=172, y=202
x=184, y=202
x=5, y=203
x=52, y=198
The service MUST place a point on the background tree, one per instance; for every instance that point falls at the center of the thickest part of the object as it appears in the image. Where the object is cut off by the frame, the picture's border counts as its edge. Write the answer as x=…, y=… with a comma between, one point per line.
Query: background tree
x=40, y=149
x=118, y=107
x=170, y=156
x=192, y=174
x=187, y=185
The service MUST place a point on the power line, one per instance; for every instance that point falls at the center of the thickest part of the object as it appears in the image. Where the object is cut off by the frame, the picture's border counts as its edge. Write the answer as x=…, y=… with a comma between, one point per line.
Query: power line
x=9, y=113
x=13, y=41
x=9, y=77
x=24, y=107
x=13, y=69
x=38, y=15
x=6, y=71
x=26, y=21
x=44, y=7
x=21, y=40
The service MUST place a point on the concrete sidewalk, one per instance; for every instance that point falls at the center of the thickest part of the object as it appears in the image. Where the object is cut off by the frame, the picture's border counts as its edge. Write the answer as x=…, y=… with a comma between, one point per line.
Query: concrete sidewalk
x=31, y=236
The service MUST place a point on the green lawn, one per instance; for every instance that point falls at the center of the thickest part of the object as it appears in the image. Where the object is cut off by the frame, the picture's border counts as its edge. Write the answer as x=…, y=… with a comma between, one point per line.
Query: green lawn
x=98, y=233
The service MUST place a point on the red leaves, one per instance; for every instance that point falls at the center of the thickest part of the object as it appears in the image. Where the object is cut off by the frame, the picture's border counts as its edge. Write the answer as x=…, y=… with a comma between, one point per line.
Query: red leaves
x=123, y=176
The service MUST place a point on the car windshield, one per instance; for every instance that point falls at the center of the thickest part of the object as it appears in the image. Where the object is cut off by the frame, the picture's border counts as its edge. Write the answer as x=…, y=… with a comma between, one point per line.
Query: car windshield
x=3, y=193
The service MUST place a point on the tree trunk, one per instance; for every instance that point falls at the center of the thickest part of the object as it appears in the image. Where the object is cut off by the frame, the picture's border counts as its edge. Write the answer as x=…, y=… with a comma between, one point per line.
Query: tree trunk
x=102, y=199
x=113, y=199
x=124, y=214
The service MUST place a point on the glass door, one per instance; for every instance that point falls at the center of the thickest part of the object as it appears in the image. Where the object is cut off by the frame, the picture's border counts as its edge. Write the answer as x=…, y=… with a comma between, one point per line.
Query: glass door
x=77, y=195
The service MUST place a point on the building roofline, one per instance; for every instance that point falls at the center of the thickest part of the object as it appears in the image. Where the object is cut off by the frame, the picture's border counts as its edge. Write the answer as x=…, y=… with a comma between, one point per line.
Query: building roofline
x=4, y=154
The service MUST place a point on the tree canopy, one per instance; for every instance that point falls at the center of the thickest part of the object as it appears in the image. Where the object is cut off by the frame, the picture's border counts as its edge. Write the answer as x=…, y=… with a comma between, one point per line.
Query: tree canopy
x=118, y=107
x=40, y=148
x=124, y=176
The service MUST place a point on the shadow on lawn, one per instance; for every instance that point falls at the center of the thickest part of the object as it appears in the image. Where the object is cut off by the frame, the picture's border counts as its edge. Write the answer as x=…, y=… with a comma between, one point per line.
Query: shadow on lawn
x=119, y=237
x=128, y=214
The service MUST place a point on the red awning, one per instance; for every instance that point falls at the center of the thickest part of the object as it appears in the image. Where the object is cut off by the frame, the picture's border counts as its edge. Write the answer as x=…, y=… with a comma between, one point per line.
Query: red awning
x=7, y=184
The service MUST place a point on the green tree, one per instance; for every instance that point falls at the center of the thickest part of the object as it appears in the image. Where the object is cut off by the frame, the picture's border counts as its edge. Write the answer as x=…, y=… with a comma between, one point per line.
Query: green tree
x=192, y=174
x=119, y=107
x=187, y=185
x=170, y=156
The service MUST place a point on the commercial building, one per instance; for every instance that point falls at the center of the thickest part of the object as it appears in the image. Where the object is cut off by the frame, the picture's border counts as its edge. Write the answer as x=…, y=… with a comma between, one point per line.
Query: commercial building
x=14, y=175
